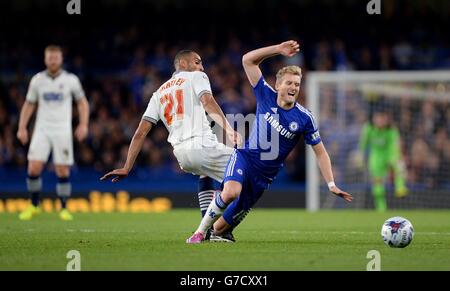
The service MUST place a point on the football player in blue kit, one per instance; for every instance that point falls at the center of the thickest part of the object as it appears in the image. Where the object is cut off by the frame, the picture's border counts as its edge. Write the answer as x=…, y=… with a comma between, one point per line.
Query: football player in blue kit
x=280, y=122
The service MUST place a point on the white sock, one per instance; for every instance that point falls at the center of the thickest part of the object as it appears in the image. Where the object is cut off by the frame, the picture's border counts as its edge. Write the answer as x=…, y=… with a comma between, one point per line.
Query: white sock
x=214, y=211
x=204, y=199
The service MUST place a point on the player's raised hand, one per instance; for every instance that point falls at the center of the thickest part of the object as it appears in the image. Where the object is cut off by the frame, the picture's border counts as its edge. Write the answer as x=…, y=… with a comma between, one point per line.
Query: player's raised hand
x=22, y=135
x=116, y=175
x=235, y=137
x=289, y=48
x=81, y=132
x=344, y=195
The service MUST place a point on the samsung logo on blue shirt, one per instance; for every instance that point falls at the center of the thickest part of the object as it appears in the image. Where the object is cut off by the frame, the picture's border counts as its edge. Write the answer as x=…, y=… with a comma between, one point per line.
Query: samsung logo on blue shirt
x=278, y=127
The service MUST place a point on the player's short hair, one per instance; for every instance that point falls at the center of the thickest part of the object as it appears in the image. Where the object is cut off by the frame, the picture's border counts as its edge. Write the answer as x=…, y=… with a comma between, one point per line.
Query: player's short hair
x=53, y=48
x=294, y=70
x=181, y=54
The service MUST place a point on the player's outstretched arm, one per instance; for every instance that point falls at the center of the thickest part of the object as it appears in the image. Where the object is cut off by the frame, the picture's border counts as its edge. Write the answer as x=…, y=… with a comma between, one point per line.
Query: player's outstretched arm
x=325, y=167
x=135, y=147
x=215, y=112
x=252, y=59
x=25, y=115
x=83, y=112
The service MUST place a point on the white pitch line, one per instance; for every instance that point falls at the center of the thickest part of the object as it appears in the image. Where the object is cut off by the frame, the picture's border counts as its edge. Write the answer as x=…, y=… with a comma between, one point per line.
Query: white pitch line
x=351, y=232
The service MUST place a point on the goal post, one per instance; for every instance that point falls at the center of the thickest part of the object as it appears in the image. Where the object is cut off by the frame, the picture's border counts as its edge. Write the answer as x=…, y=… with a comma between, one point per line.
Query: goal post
x=417, y=104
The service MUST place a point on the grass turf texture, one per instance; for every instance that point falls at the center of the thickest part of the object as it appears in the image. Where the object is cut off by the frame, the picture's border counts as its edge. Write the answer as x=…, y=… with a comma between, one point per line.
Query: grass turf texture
x=267, y=240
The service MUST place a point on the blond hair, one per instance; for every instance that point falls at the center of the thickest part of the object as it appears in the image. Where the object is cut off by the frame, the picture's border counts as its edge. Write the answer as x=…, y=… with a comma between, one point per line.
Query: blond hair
x=294, y=70
x=53, y=48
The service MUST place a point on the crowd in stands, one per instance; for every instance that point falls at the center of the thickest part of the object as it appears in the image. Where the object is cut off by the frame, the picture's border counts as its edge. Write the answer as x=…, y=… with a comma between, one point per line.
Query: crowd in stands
x=121, y=64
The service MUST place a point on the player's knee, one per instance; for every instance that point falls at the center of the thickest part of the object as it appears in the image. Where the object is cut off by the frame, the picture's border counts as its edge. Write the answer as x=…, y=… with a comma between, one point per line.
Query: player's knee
x=62, y=171
x=230, y=193
x=34, y=172
x=228, y=196
x=34, y=169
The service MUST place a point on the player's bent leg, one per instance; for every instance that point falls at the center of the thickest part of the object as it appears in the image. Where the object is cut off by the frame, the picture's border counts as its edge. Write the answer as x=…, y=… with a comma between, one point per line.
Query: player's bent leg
x=234, y=178
x=235, y=213
x=231, y=190
x=222, y=230
x=63, y=190
x=34, y=186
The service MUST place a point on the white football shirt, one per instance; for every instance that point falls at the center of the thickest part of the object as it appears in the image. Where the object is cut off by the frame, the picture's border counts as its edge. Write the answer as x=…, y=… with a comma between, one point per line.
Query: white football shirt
x=177, y=104
x=54, y=97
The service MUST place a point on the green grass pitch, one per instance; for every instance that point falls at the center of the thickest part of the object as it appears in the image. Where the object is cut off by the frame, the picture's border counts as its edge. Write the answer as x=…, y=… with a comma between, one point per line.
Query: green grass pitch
x=276, y=239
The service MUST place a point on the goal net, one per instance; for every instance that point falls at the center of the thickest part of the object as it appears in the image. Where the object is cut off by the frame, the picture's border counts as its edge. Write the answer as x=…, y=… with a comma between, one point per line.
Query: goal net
x=355, y=111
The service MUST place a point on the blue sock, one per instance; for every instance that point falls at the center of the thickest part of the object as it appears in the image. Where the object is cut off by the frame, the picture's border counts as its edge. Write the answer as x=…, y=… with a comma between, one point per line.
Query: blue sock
x=205, y=193
x=220, y=203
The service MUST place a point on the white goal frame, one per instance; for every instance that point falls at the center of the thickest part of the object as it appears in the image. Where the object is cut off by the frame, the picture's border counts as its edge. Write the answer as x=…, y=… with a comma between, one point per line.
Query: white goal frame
x=314, y=79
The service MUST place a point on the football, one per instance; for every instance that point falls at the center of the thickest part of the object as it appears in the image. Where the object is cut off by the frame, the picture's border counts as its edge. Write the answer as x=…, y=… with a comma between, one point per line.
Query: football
x=397, y=232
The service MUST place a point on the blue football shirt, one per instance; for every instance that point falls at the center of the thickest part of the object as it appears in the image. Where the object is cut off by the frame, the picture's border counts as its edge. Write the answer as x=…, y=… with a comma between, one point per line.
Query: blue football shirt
x=276, y=131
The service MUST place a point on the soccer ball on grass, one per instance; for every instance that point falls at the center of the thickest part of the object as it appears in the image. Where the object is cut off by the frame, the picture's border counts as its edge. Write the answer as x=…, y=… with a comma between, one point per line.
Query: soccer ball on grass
x=397, y=232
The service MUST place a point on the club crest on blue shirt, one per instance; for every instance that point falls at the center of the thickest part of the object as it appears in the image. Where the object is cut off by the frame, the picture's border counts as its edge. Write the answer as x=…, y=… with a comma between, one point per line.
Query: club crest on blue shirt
x=293, y=126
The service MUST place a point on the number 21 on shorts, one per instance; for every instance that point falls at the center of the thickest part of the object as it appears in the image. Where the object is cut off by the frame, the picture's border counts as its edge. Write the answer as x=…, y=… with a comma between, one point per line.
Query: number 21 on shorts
x=169, y=103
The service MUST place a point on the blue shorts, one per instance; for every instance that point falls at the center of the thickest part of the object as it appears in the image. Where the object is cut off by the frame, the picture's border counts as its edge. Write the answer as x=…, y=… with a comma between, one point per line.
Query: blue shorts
x=239, y=170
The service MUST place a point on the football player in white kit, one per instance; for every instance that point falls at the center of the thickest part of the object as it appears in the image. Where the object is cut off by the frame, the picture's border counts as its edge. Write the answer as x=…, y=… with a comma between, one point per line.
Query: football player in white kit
x=181, y=103
x=51, y=91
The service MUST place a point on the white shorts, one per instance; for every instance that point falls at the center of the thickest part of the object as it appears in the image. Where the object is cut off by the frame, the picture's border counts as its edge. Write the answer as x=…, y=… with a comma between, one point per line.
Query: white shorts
x=203, y=158
x=60, y=144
